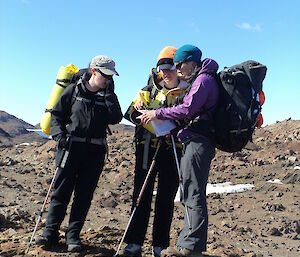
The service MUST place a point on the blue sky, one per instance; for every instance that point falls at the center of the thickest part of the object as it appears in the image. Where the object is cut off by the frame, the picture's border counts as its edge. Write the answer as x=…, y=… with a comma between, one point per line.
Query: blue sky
x=39, y=36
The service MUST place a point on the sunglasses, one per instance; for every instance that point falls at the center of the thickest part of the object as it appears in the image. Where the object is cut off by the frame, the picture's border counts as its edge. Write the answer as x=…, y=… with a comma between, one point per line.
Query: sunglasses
x=178, y=65
x=104, y=75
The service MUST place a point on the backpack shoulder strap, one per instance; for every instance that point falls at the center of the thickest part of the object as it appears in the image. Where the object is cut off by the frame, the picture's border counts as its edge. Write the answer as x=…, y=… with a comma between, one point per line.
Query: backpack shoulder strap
x=153, y=93
x=75, y=93
x=153, y=82
x=79, y=74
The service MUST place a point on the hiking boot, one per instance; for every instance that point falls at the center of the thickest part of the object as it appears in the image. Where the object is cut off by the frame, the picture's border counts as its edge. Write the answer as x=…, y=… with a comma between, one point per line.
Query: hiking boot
x=132, y=250
x=74, y=247
x=156, y=251
x=178, y=252
x=46, y=241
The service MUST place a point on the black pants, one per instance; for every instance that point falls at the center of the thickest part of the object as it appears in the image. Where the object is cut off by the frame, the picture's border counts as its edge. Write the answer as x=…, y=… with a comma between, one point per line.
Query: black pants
x=81, y=174
x=195, y=165
x=165, y=167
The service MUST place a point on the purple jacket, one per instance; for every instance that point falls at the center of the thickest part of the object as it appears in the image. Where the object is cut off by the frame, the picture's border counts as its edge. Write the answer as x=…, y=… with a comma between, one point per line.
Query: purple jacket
x=204, y=93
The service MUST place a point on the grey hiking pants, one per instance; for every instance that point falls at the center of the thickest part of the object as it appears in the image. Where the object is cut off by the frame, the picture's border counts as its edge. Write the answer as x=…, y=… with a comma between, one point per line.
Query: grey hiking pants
x=195, y=165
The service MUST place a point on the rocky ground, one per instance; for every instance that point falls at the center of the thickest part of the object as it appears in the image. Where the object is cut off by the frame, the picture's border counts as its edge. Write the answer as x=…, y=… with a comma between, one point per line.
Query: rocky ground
x=263, y=221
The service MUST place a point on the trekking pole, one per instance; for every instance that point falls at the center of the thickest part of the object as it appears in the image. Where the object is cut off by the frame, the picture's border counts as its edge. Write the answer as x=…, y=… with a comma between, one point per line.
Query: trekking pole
x=180, y=180
x=62, y=165
x=139, y=198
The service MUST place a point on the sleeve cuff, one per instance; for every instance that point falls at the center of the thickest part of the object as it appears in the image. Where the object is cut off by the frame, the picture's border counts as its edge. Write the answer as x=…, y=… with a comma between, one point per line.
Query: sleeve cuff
x=158, y=113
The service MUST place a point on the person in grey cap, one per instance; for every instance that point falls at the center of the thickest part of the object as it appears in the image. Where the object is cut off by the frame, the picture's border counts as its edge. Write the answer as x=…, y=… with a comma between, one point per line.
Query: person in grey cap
x=79, y=122
x=196, y=113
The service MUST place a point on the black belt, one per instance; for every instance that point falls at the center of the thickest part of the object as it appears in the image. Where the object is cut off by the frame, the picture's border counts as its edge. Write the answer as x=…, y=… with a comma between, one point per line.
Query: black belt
x=154, y=143
x=95, y=141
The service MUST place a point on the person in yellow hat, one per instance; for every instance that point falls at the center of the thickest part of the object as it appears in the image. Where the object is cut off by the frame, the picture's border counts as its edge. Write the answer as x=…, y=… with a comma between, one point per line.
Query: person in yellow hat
x=162, y=82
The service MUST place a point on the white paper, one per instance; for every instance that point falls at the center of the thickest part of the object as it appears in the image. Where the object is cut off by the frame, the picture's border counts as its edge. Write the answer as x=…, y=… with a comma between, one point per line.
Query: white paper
x=162, y=127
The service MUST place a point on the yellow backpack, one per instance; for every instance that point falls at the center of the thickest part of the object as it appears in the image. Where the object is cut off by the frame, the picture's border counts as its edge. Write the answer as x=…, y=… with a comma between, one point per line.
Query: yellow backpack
x=63, y=80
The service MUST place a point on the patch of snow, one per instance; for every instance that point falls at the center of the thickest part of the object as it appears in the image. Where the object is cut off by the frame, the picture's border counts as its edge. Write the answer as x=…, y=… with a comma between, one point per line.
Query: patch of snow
x=275, y=181
x=222, y=188
x=23, y=144
x=226, y=187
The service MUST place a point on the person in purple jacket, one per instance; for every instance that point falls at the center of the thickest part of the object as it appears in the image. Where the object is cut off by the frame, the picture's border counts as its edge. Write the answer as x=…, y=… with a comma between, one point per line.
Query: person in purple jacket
x=197, y=111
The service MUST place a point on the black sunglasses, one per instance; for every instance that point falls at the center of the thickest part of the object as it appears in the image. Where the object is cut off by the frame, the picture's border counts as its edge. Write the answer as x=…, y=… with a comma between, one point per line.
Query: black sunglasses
x=178, y=65
x=104, y=75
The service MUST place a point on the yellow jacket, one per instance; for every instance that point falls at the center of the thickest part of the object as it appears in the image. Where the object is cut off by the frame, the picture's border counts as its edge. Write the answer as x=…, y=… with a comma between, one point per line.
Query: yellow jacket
x=154, y=95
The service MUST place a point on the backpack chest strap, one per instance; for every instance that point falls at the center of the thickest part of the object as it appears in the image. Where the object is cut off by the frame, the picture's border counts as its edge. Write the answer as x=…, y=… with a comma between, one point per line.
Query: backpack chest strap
x=75, y=97
x=82, y=99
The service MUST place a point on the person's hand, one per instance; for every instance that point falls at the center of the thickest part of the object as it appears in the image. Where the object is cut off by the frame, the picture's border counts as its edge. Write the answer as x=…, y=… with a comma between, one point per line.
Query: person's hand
x=64, y=142
x=139, y=105
x=148, y=116
x=110, y=86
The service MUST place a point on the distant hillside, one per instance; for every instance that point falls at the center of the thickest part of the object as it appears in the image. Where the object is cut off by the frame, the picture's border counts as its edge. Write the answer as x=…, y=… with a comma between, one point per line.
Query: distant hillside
x=5, y=138
x=118, y=127
x=121, y=128
x=3, y=133
x=13, y=130
x=13, y=125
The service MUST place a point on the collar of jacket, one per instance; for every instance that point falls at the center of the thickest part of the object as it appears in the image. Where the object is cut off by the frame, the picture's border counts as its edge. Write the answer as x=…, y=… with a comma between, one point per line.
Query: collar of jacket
x=81, y=85
x=190, y=79
x=85, y=77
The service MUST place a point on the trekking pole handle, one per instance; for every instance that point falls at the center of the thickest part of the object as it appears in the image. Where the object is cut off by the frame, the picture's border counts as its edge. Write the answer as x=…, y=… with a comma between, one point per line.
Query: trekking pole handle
x=64, y=159
x=66, y=153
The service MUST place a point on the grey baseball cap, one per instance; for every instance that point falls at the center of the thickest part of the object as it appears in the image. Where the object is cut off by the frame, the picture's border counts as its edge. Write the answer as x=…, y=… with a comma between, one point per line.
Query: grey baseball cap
x=105, y=64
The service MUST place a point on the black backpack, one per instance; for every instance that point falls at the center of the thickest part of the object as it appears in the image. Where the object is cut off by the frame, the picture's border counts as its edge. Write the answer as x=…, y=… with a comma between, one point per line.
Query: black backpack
x=239, y=107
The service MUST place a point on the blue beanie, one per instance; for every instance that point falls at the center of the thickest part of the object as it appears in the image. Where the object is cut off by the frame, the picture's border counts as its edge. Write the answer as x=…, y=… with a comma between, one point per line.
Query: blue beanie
x=188, y=53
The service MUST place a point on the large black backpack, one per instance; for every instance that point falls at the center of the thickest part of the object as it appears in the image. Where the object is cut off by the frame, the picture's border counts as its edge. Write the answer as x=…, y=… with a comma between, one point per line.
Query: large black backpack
x=238, y=106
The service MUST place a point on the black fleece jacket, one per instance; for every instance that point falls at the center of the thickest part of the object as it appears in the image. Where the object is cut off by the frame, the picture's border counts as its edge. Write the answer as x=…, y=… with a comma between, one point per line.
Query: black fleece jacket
x=85, y=113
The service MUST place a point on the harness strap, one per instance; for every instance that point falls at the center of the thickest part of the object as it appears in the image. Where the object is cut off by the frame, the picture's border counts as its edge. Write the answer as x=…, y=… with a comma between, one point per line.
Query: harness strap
x=154, y=143
x=95, y=141
x=153, y=94
x=60, y=81
x=147, y=137
x=238, y=131
x=81, y=99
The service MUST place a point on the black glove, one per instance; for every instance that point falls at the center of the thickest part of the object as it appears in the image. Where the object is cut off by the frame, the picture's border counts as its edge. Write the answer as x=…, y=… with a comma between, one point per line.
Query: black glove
x=63, y=142
x=110, y=87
